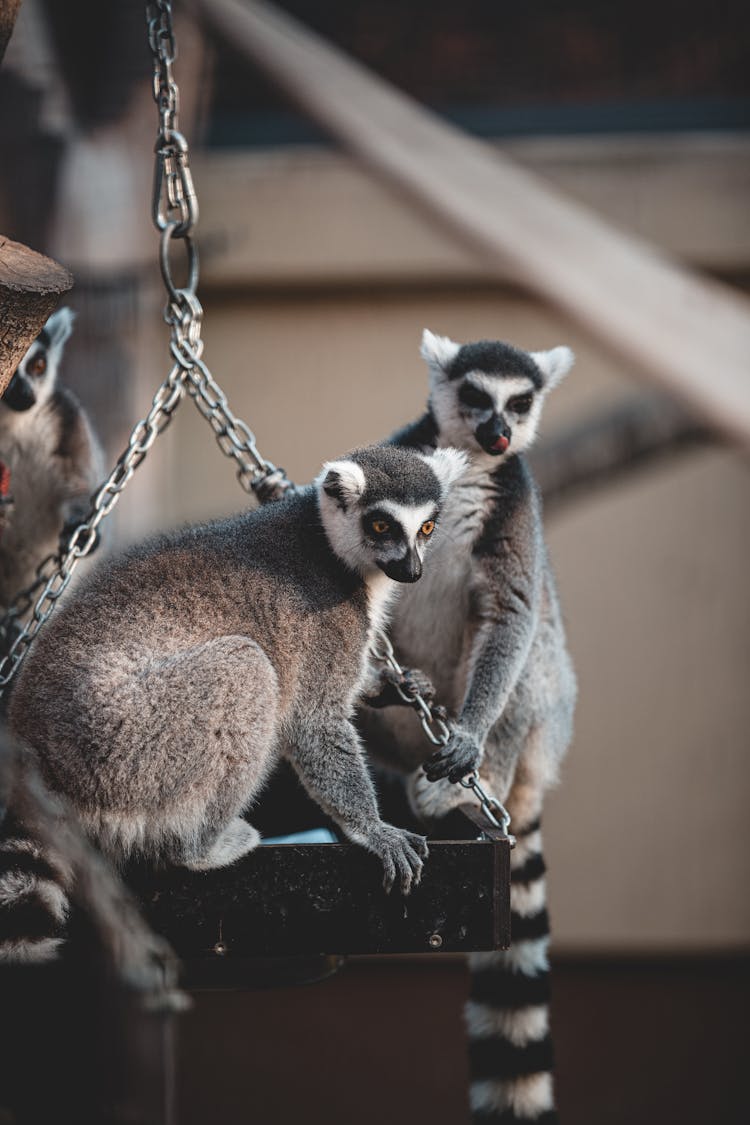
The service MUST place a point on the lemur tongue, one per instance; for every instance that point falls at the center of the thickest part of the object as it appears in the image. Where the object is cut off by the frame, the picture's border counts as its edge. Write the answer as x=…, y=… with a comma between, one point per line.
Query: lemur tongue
x=501, y=444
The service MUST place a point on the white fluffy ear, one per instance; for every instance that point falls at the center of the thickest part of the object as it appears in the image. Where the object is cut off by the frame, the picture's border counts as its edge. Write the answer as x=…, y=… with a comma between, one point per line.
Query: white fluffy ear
x=59, y=326
x=439, y=351
x=554, y=365
x=343, y=481
x=448, y=465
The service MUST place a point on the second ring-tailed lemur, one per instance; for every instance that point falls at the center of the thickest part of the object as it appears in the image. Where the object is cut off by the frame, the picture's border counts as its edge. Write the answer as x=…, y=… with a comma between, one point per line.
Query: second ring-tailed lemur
x=53, y=460
x=160, y=697
x=486, y=628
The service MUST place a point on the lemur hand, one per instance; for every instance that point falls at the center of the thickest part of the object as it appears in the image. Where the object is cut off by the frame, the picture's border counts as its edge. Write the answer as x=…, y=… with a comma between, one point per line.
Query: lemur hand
x=415, y=682
x=412, y=682
x=461, y=755
x=402, y=854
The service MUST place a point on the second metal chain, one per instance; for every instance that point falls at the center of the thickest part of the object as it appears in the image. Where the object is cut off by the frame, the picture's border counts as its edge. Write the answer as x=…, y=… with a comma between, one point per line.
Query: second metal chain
x=437, y=730
x=54, y=583
x=434, y=726
x=174, y=212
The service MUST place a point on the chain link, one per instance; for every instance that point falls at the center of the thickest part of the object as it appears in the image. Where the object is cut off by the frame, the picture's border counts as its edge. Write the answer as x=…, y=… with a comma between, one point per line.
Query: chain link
x=496, y=813
x=10, y=623
x=434, y=727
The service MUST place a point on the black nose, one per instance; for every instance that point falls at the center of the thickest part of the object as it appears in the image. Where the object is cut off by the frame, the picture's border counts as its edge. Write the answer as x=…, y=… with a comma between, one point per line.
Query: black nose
x=408, y=569
x=19, y=394
x=494, y=435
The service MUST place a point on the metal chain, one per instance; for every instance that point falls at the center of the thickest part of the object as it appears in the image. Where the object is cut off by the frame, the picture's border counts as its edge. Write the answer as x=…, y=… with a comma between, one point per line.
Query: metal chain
x=440, y=736
x=175, y=213
x=83, y=539
x=438, y=731
x=496, y=813
x=174, y=210
x=24, y=600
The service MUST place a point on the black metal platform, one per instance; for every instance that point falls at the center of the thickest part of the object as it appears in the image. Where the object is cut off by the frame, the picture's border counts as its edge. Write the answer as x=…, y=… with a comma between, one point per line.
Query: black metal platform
x=312, y=900
x=300, y=899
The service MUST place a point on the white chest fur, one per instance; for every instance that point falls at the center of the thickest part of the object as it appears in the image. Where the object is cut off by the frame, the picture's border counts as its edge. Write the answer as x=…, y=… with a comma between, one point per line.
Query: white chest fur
x=27, y=442
x=429, y=618
x=381, y=592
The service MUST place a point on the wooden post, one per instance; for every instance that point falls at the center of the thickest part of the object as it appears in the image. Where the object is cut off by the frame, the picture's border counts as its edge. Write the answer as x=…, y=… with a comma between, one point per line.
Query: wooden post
x=30, y=287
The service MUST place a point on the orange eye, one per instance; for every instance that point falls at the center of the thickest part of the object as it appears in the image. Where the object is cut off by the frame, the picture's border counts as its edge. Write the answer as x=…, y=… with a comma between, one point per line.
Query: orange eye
x=39, y=366
x=380, y=527
x=427, y=527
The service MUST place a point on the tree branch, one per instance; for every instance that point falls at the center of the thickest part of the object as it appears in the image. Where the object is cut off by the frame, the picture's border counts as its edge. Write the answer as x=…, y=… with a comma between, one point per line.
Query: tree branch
x=609, y=446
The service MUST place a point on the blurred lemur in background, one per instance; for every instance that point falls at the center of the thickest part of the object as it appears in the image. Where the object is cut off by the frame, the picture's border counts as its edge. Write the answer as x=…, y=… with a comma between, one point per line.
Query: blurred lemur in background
x=161, y=696
x=49, y=459
x=486, y=627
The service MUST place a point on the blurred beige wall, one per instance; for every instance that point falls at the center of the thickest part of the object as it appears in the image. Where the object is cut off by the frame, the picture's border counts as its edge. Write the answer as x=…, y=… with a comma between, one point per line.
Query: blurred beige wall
x=317, y=284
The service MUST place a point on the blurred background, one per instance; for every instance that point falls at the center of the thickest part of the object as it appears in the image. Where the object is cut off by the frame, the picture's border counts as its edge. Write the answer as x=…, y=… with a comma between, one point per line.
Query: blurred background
x=317, y=280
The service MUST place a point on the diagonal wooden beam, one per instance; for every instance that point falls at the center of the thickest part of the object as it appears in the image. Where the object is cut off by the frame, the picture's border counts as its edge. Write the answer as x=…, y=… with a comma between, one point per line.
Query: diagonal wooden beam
x=690, y=335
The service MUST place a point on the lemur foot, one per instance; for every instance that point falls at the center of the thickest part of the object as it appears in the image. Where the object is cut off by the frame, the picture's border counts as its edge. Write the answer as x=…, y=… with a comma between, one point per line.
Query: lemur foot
x=237, y=839
x=402, y=854
x=432, y=799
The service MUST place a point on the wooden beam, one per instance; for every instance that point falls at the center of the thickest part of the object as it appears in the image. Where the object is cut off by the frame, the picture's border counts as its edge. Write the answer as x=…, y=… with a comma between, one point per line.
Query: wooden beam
x=689, y=335
x=327, y=221
x=30, y=287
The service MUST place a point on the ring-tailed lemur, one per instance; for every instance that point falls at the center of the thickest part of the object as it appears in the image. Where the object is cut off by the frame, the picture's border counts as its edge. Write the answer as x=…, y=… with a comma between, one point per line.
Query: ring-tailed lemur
x=51, y=455
x=160, y=697
x=486, y=628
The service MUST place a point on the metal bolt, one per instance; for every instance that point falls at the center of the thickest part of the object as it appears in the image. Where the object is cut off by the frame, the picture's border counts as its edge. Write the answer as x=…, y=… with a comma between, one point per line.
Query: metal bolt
x=435, y=941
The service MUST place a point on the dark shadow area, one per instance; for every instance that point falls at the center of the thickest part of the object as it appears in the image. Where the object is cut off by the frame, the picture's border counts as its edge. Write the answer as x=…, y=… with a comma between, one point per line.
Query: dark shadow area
x=638, y=1042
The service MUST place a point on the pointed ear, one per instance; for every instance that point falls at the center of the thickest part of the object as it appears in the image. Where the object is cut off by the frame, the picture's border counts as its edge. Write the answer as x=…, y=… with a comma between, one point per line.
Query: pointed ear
x=554, y=365
x=343, y=481
x=439, y=351
x=448, y=465
x=59, y=326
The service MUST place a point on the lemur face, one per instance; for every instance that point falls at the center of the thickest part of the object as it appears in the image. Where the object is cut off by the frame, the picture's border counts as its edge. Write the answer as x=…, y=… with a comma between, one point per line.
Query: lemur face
x=498, y=410
x=380, y=507
x=488, y=396
x=34, y=378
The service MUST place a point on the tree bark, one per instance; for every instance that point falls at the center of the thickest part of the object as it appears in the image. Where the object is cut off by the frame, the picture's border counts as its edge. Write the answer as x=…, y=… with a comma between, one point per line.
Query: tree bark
x=30, y=287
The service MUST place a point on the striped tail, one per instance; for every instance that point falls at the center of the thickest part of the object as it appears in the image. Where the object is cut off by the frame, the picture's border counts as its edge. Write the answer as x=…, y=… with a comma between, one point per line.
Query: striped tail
x=33, y=898
x=507, y=1016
